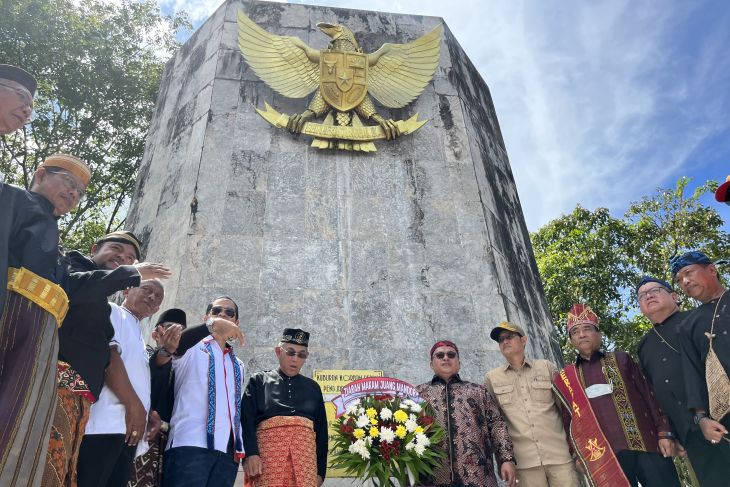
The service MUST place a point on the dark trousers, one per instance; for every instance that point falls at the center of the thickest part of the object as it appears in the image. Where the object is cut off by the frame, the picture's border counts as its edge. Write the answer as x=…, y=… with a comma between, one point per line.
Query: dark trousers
x=104, y=461
x=190, y=466
x=649, y=468
x=711, y=463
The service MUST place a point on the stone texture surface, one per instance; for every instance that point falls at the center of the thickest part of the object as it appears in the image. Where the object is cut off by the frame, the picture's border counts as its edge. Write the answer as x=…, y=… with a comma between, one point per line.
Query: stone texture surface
x=378, y=255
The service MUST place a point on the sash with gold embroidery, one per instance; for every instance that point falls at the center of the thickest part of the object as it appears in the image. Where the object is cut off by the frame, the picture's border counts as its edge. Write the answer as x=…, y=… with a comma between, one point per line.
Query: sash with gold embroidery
x=589, y=442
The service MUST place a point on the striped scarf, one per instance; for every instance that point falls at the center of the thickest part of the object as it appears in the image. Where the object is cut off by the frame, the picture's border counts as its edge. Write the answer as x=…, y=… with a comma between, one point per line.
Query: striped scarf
x=211, y=399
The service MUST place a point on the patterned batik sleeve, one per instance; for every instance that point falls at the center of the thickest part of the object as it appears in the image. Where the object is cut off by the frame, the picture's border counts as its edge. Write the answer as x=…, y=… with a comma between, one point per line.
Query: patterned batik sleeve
x=498, y=434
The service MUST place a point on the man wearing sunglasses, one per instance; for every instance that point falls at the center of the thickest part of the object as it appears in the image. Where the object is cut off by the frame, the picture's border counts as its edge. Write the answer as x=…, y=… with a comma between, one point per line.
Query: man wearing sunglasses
x=285, y=421
x=523, y=389
x=32, y=307
x=474, y=426
x=205, y=444
x=17, y=88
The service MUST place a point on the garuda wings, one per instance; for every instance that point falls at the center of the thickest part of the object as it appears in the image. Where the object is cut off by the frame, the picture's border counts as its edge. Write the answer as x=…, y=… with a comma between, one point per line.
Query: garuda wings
x=344, y=79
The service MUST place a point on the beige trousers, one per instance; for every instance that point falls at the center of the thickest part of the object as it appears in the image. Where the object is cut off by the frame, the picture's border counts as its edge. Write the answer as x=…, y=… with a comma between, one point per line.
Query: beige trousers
x=563, y=475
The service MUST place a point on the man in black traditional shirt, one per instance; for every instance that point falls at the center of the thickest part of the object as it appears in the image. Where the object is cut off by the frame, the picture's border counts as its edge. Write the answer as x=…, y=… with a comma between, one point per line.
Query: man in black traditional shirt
x=661, y=360
x=17, y=88
x=85, y=360
x=698, y=277
x=32, y=306
x=284, y=421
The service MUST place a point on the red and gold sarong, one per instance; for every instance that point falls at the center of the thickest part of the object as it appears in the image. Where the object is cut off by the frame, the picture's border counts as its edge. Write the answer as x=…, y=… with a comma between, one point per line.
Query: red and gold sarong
x=288, y=453
x=589, y=442
x=67, y=431
x=34, y=308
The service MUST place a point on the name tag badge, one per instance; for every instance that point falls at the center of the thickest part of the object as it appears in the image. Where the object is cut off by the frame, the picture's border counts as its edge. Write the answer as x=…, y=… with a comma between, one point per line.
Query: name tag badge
x=597, y=390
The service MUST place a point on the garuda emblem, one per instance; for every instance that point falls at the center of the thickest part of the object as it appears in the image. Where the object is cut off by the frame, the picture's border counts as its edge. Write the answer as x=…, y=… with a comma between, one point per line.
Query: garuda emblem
x=345, y=80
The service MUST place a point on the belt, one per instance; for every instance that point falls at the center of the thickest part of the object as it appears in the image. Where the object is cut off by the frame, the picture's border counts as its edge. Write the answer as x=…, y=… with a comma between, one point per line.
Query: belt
x=44, y=293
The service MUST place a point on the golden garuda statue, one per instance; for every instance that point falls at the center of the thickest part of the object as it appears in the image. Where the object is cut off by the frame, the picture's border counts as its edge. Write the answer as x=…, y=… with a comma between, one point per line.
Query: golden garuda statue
x=344, y=78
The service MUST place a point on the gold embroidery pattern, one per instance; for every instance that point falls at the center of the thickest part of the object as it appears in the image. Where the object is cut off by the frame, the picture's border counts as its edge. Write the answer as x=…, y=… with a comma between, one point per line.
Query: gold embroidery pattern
x=623, y=404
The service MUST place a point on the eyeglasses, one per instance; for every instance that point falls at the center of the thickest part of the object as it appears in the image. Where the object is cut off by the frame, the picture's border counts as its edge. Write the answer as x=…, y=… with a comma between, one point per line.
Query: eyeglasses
x=506, y=336
x=68, y=180
x=290, y=352
x=650, y=293
x=229, y=312
x=441, y=355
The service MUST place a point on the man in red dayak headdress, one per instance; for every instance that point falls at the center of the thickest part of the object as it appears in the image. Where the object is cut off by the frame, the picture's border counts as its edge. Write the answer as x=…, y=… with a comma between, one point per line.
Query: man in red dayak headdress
x=618, y=432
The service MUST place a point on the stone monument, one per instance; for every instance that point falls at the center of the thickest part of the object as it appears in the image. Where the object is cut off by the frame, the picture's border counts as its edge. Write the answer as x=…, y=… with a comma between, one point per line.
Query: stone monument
x=377, y=254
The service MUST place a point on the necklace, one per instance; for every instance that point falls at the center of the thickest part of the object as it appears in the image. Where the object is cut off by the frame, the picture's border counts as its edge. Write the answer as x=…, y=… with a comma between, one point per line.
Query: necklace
x=664, y=340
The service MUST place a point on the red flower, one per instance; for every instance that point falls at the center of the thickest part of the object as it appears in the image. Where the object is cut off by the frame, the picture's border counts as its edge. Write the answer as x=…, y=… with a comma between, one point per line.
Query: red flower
x=383, y=397
x=426, y=420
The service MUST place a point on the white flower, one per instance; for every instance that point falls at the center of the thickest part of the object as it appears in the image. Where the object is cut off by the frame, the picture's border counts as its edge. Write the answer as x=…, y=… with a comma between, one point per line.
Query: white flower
x=369, y=440
x=386, y=414
x=411, y=425
x=360, y=411
x=422, y=439
x=387, y=435
x=419, y=448
x=352, y=407
x=415, y=407
x=410, y=445
x=413, y=417
x=362, y=421
x=360, y=447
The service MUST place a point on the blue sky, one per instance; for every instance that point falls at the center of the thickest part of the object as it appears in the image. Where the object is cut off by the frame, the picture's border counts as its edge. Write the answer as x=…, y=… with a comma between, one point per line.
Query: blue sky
x=599, y=102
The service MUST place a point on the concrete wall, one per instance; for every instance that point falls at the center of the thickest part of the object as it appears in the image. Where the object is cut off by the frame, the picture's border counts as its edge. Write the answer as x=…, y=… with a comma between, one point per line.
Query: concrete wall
x=377, y=255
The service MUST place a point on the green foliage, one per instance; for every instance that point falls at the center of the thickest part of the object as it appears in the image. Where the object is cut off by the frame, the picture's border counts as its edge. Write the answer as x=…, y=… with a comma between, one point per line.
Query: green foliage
x=98, y=66
x=594, y=258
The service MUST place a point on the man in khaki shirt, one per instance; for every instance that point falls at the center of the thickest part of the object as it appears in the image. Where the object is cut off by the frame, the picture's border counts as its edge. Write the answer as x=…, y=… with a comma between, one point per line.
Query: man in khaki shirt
x=523, y=389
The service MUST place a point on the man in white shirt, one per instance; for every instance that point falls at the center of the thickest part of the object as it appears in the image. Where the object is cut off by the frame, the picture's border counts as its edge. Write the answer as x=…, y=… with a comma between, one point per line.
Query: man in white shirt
x=205, y=444
x=108, y=449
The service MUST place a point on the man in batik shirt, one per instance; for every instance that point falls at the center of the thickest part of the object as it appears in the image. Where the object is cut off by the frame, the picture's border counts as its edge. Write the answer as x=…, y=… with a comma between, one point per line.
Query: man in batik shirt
x=474, y=426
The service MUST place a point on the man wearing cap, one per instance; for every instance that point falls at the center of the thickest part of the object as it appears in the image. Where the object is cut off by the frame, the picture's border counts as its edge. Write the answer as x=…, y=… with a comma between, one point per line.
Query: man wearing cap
x=619, y=433
x=85, y=361
x=285, y=422
x=32, y=306
x=474, y=426
x=523, y=389
x=706, y=328
x=205, y=444
x=17, y=88
x=147, y=470
x=661, y=360
x=108, y=449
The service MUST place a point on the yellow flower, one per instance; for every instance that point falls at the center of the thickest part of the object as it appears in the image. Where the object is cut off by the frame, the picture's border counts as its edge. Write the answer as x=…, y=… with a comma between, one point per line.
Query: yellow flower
x=400, y=431
x=371, y=412
x=419, y=430
x=373, y=421
x=400, y=416
x=374, y=432
x=359, y=433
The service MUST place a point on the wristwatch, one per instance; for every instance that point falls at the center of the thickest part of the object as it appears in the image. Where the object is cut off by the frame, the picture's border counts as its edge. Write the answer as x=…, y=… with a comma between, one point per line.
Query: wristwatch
x=699, y=416
x=163, y=351
x=209, y=325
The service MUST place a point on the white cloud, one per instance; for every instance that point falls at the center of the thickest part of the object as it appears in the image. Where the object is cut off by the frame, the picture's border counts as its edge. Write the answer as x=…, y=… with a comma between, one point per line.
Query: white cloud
x=597, y=101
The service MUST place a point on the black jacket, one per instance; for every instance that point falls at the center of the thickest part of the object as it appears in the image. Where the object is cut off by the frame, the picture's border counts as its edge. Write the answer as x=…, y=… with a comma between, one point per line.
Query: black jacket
x=87, y=330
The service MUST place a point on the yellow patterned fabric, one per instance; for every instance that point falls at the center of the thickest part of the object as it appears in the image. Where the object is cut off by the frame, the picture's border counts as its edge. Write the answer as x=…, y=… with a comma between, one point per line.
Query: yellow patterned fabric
x=42, y=292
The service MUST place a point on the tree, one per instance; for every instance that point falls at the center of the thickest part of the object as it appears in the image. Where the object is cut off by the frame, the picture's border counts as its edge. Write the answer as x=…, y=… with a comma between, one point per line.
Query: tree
x=591, y=257
x=98, y=66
